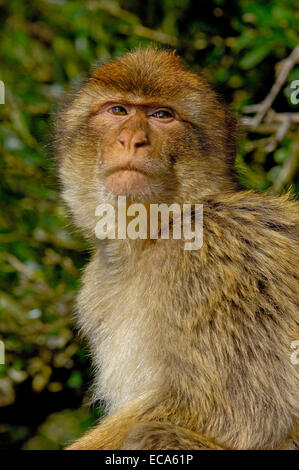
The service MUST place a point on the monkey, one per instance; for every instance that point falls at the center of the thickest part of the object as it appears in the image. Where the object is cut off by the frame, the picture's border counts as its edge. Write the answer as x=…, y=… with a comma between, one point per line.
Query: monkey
x=191, y=348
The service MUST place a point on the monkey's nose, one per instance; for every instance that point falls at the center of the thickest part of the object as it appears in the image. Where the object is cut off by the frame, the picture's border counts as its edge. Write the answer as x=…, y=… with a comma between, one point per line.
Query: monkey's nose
x=132, y=140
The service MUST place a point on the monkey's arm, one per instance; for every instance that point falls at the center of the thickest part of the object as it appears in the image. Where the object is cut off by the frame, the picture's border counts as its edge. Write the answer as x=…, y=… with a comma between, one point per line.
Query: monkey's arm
x=138, y=427
x=109, y=435
x=112, y=431
x=116, y=433
x=166, y=436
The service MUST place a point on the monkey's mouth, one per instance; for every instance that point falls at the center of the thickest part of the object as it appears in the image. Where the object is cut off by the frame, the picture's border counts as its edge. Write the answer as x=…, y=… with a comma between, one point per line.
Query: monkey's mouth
x=128, y=182
x=129, y=168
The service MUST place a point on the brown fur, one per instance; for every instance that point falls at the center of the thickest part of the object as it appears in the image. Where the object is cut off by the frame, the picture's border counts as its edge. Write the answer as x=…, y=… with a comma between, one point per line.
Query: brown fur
x=191, y=348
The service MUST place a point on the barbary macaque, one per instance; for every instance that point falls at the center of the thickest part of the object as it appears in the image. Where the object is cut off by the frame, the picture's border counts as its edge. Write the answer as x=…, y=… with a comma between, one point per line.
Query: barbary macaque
x=192, y=348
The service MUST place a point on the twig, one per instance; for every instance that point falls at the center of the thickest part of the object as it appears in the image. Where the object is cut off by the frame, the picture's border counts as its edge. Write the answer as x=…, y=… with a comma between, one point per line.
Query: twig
x=134, y=29
x=40, y=31
x=286, y=66
x=267, y=120
x=271, y=118
x=275, y=123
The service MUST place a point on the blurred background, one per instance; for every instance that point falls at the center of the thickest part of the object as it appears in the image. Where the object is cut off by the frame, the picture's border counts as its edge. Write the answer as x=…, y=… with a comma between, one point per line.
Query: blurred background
x=246, y=48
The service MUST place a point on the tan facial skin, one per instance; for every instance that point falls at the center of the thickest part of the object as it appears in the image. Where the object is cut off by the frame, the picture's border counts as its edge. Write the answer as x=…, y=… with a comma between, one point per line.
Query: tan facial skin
x=133, y=134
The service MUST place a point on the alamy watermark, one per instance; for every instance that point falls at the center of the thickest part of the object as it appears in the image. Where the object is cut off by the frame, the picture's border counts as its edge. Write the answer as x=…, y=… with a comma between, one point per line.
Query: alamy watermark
x=295, y=354
x=294, y=97
x=160, y=221
x=2, y=92
x=2, y=353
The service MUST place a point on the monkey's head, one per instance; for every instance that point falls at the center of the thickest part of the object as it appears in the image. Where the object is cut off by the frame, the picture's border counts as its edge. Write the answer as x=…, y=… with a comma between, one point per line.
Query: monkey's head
x=145, y=127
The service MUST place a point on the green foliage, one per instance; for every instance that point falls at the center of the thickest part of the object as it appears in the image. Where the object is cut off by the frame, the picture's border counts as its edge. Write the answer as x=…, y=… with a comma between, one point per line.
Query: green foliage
x=46, y=47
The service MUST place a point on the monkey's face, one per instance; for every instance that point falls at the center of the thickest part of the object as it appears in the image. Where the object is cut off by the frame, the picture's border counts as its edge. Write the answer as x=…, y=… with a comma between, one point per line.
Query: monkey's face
x=146, y=128
x=138, y=143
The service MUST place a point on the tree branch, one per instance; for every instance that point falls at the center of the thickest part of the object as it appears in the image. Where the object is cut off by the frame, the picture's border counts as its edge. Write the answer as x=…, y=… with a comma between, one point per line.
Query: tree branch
x=285, y=67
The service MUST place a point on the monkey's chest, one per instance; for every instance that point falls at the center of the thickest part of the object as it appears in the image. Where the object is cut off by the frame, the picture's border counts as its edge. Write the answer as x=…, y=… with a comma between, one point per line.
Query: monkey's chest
x=126, y=354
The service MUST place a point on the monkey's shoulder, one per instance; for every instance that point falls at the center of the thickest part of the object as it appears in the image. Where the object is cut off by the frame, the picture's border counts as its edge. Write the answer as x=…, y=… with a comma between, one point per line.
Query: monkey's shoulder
x=252, y=214
x=249, y=233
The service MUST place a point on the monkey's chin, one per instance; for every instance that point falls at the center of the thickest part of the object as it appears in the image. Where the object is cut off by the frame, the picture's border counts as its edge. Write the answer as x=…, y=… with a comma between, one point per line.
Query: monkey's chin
x=130, y=183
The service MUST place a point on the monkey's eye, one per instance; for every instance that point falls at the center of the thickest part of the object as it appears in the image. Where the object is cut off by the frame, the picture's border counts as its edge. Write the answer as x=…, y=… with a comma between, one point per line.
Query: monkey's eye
x=118, y=110
x=162, y=114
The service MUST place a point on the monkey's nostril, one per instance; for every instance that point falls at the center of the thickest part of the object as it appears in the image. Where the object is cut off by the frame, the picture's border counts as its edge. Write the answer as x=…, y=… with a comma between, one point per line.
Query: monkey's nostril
x=140, y=140
x=122, y=141
x=140, y=143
